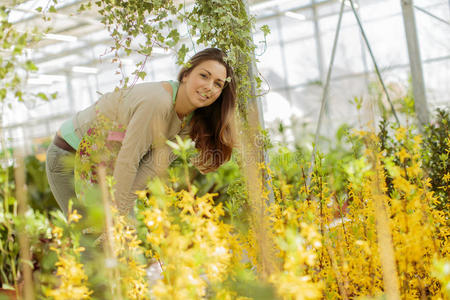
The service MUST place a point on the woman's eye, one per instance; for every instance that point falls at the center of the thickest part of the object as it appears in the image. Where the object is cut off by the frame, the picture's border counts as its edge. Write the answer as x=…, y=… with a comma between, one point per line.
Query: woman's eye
x=203, y=75
x=219, y=85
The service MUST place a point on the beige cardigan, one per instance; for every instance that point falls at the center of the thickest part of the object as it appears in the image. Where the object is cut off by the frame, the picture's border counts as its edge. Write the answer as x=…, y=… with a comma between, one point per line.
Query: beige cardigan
x=148, y=113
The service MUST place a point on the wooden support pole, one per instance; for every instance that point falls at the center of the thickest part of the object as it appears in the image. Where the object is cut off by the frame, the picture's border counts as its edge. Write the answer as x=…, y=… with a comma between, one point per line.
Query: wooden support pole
x=25, y=254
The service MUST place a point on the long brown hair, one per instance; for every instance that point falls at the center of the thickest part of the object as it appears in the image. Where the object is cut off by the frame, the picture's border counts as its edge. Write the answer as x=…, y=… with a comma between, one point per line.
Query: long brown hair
x=212, y=127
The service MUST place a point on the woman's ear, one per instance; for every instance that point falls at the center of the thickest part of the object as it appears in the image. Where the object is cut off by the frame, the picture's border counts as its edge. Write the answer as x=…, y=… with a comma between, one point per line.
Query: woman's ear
x=183, y=78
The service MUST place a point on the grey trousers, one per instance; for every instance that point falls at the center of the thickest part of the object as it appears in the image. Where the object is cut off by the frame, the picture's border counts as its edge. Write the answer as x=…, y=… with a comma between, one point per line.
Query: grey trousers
x=60, y=174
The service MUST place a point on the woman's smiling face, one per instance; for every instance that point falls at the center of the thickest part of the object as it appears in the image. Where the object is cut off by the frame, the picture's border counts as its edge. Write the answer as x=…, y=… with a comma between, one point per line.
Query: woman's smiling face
x=205, y=83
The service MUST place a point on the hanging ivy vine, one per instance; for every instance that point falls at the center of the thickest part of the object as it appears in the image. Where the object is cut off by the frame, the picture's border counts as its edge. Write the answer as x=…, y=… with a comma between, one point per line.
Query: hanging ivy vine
x=223, y=24
x=137, y=27
x=15, y=66
x=130, y=21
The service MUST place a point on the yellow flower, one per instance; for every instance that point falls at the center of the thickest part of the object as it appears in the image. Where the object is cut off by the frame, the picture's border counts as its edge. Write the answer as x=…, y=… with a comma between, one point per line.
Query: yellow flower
x=400, y=133
x=79, y=249
x=73, y=280
x=57, y=232
x=402, y=155
x=141, y=194
x=446, y=177
x=74, y=216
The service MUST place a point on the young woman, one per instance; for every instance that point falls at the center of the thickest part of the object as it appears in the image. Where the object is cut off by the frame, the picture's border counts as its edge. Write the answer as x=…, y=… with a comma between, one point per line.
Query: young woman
x=126, y=130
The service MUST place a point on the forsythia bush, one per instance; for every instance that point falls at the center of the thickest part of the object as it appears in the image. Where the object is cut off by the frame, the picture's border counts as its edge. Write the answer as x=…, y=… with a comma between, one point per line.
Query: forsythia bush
x=325, y=243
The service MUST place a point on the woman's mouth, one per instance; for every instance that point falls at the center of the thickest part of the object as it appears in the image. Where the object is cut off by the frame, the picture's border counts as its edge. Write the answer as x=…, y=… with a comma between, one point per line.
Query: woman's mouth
x=203, y=96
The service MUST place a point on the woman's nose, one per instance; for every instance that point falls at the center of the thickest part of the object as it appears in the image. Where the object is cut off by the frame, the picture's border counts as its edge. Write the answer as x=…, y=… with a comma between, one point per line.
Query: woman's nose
x=209, y=85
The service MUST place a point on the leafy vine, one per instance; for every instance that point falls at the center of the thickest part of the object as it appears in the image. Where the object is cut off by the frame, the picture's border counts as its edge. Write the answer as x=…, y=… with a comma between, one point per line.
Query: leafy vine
x=15, y=66
x=138, y=26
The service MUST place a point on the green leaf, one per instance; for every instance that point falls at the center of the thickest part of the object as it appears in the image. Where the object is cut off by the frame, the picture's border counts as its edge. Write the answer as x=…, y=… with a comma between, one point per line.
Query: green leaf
x=265, y=29
x=39, y=9
x=15, y=81
x=42, y=96
x=30, y=66
x=19, y=95
x=142, y=75
x=6, y=44
x=3, y=93
x=52, y=9
x=182, y=54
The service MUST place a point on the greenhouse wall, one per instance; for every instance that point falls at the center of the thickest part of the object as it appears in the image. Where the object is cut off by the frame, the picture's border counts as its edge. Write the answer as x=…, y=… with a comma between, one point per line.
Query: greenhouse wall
x=293, y=61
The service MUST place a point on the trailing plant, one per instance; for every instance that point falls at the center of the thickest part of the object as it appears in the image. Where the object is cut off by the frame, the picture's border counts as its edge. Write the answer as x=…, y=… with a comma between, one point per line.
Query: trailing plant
x=137, y=27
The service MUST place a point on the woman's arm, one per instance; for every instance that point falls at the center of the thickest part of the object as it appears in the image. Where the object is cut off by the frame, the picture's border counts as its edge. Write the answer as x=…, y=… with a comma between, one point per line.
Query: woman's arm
x=147, y=170
x=147, y=129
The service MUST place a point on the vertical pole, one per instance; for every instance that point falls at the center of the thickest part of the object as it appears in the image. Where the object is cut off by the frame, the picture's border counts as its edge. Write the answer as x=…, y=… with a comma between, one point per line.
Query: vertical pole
x=25, y=142
x=21, y=196
x=256, y=103
x=91, y=92
x=364, y=55
x=257, y=179
x=283, y=56
x=69, y=89
x=377, y=70
x=325, y=94
x=319, y=49
x=109, y=243
x=415, y=62
x=97, y=85
x=47, y=128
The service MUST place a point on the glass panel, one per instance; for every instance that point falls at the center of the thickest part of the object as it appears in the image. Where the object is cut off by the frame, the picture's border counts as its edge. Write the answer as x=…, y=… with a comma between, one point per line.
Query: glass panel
x=301, y=60
x=278, y=113
x=295, y=29
x=437, y=77
x=163, y=68
x=271, y=67
x=81, y=93
x=36, y=130
x=431, y=3
x=348, y=57
x=434, y=35
x=387, y=39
